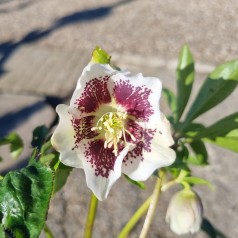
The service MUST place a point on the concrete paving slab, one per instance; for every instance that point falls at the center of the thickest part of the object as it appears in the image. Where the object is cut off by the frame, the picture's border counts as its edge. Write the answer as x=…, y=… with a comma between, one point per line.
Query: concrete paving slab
x=42, y=71
x=40, y=49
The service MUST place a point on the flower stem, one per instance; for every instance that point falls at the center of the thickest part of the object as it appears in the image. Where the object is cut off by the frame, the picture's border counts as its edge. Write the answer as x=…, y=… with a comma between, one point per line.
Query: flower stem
x=91, y=216
x=134, y=219
x=48, y=233
x=152, y=207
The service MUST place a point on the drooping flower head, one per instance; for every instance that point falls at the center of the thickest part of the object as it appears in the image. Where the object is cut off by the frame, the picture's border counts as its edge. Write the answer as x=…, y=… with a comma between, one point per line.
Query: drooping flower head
x=112, y=126
x=185, y=212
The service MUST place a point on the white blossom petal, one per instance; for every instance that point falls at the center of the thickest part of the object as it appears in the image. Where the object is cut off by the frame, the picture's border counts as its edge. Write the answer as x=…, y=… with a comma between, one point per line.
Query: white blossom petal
x=153, y=153
x=63, y=139
x=90, y=72
x=140, y=170
x=138, y=95
x=101, y=185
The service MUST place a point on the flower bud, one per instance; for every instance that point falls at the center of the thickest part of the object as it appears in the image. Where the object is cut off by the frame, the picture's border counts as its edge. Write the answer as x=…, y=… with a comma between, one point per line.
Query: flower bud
x=184, y=213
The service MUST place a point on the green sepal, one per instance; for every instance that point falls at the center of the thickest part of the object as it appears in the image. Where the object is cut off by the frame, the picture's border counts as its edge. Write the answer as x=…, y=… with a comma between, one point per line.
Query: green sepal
x=15, y=142
x=24, y=200
x=139, y=184
x=185, y=78
x=218, y=86
x=100, y=56
x=197, y=180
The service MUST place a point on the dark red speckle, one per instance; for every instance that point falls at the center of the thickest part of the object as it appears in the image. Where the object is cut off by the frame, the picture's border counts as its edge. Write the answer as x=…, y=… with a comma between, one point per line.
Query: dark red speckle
x=82, y=128
x=134, y=99
x=94, y=94
x=103, y=160
x=143, y=141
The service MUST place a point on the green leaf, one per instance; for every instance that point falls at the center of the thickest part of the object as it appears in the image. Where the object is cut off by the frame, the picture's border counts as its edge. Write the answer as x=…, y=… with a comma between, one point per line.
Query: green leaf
x=61, y=175
x=180, y=162
x=141, y=185
x=24, y=200
x=15, y=142
x=170, y=98
x=200, y=156
x=185, y=78
x=220, y=128
x=218, y=86
x=193, y=129
x=39, y=136
x=46, y=147
x=2, y=233
x=100, y=56
x=46, y=159
x=211, y=230
x=197, y=180
x=227, y=142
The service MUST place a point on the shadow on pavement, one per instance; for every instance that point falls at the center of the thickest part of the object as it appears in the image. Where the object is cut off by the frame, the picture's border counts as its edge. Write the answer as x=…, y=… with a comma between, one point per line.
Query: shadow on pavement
x=8, y=48
x=17, y=165
x=12, y=119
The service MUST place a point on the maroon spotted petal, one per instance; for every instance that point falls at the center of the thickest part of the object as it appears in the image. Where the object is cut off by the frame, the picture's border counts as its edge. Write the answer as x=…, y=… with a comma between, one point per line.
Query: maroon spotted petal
x=94, y=94
x=82, y=128
x=101, y=159
x=134, y=99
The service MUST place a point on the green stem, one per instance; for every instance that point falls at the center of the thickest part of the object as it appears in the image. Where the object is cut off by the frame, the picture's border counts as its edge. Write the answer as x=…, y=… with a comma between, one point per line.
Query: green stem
x=48, y=233
x=91, y=216
x=134, y=219
x=167, y=185
x=152, y=207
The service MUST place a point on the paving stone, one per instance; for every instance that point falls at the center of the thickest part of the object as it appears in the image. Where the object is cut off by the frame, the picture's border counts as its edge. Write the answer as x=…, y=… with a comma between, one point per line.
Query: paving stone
x=43, y=71
x=47, y=50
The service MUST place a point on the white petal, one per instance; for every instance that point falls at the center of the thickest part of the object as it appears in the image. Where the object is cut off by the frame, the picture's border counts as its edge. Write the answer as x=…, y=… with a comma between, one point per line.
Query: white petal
x=99, y=185
x=90, y=72
x=63, y=139
x=163, y=132
x=146, y=92
x=141, y=170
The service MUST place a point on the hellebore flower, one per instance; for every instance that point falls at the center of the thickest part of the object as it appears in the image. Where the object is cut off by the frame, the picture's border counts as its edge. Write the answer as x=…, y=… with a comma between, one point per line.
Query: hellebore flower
x=185, y=212
x=112, y=126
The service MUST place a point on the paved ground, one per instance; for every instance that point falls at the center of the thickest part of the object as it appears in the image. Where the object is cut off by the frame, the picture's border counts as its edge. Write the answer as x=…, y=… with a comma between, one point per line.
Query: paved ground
x=45, y=44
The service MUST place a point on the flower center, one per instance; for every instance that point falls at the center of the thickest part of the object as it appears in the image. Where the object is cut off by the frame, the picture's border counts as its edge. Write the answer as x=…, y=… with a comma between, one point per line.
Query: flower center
x=113, y=125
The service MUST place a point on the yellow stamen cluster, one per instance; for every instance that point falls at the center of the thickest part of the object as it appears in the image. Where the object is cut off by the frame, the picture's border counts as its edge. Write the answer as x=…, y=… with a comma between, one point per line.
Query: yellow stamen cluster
x=112, y=123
